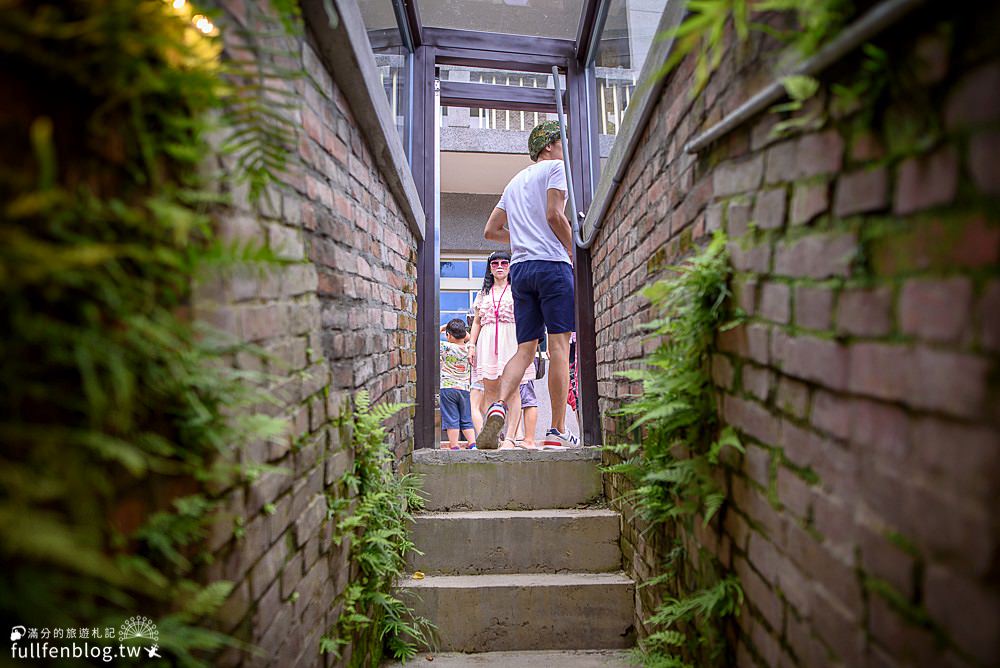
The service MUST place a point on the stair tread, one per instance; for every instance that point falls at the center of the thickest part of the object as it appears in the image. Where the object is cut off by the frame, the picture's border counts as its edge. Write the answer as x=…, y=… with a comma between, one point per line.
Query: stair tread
x=544, y=513
x=599, y=658
x=519, y=580
x=434, y=456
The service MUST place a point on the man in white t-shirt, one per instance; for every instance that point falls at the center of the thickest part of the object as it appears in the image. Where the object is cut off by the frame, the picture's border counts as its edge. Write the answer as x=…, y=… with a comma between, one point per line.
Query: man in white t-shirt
x=529, y=216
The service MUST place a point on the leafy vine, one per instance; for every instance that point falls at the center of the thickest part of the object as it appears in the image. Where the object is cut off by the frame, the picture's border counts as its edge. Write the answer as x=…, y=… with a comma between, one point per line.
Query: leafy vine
x=674, y=463
x=373, y=514
x=119, y=408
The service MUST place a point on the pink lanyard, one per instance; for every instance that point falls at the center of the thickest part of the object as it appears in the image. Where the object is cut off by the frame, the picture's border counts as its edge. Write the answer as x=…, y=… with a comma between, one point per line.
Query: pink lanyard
x=496, y=318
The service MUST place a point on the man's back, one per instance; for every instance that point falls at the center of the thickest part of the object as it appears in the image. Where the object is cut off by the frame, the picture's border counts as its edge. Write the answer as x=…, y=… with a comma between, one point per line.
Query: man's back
x=524, y=200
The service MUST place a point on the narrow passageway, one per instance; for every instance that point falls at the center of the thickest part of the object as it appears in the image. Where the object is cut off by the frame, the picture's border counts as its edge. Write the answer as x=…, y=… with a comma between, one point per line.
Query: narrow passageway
x=232, y=229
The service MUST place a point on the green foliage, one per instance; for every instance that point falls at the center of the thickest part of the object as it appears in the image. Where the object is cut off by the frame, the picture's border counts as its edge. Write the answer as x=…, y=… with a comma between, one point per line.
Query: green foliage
x=703, y=32
x=673, y=465
x=119, y=409
x=375, y=521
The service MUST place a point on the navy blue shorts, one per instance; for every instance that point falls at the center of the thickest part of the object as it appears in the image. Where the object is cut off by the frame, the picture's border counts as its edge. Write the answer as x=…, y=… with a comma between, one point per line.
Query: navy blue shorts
x=543, y=298
x=456, y=409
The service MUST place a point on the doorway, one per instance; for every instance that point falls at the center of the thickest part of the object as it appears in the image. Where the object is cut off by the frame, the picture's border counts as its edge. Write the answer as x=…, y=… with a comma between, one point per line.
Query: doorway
x=480, y=149
x=476, y=98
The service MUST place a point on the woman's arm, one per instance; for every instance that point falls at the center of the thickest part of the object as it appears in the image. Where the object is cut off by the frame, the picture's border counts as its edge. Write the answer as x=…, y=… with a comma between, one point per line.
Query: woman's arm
x=474, y=336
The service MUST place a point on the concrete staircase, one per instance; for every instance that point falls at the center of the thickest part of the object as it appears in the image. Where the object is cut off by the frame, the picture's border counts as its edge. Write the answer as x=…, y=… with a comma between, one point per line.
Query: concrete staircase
x=522, y=563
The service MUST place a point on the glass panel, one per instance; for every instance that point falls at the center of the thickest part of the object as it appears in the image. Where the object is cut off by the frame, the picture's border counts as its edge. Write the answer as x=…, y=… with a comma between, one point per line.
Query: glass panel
x=447, y=316
x=621, y=53
x=392, y=60
x=455, y=301
x=478, y=268
x=454, y=269
x=537, y=18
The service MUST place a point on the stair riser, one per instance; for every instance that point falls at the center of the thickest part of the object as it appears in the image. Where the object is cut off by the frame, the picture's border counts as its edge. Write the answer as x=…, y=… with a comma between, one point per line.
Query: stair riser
x=510, y=485
x=490, y=619
x=473, y=546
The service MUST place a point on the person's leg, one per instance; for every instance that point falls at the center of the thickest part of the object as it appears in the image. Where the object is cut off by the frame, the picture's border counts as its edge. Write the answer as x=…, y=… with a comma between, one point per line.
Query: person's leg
x=491, y=390
x=465, y=417
x=558, y=378
x=450, y=414
x=476, y=401
x=514, y=411
x=530, y=424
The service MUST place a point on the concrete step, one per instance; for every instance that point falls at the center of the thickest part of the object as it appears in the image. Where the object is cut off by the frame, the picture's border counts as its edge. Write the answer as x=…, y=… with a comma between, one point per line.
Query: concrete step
x=494, y=613
x=508, y=479
x=516, y=541
x=600, y=658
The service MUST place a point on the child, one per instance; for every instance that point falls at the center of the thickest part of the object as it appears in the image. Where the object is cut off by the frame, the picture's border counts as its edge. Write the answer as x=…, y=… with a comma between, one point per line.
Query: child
x=456, y=411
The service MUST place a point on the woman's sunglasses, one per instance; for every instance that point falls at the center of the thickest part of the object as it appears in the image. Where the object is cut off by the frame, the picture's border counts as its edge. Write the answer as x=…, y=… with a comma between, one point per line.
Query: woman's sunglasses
x=499, y=263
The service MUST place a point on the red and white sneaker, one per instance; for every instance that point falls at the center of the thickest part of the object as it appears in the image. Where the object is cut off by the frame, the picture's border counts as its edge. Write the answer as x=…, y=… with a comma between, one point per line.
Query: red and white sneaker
x=489, y=437
x=556, y=441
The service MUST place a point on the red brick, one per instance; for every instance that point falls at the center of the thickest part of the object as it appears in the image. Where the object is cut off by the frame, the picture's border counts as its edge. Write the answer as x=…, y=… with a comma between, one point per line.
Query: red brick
x=756, y=381
x=983, y=164
x=989, y=316
x=802, y=447
x=781, y=162
x=936, y=310
x=745, y=294
x=792, y=397
x=775, y=302
x=750, y=341
x=755, y=259
x=968, y=611
x=751, y=418
x=861, y=191
x=910, y=644
x=734, y=177
x=813, y=307
x=974, y=101
x=881, y=429
x=865, y=312
x=885, y=560
x=821, y=153
x=834, y=519
x=807, y=647
x=759, y=594
x=793, y=492
x=972, y=243
x=950, y=382
x=758, y=464
x=769, y=209
x=927, y=181
x=831, y=572
x=722, y=371
x=866, y=146
x=816, y=256
x=961, y=457
x=808, y=201
x=818, y=360
x=738, y=218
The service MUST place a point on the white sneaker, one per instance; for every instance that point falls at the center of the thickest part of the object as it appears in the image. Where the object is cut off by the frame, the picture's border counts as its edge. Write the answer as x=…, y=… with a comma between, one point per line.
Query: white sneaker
x=556, y=441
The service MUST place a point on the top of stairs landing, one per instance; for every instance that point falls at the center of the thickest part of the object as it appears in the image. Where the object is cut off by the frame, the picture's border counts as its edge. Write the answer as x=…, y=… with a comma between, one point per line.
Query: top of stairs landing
x=432, y=456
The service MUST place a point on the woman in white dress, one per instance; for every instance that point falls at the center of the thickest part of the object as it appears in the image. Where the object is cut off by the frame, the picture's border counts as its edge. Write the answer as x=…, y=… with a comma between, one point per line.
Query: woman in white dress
x=494, y=337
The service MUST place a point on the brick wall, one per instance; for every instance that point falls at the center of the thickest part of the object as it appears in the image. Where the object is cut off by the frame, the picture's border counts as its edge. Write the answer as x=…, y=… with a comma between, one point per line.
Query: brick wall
x=339, y=316
x=862, y=519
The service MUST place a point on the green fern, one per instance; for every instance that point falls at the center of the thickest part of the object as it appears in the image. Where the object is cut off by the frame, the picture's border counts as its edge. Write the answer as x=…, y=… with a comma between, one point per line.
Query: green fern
x=678, y=445
x=373, y=620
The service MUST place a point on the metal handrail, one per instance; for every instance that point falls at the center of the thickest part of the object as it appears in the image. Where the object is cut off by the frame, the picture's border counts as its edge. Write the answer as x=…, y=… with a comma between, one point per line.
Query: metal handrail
x=577, y=215
x=875, y=21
